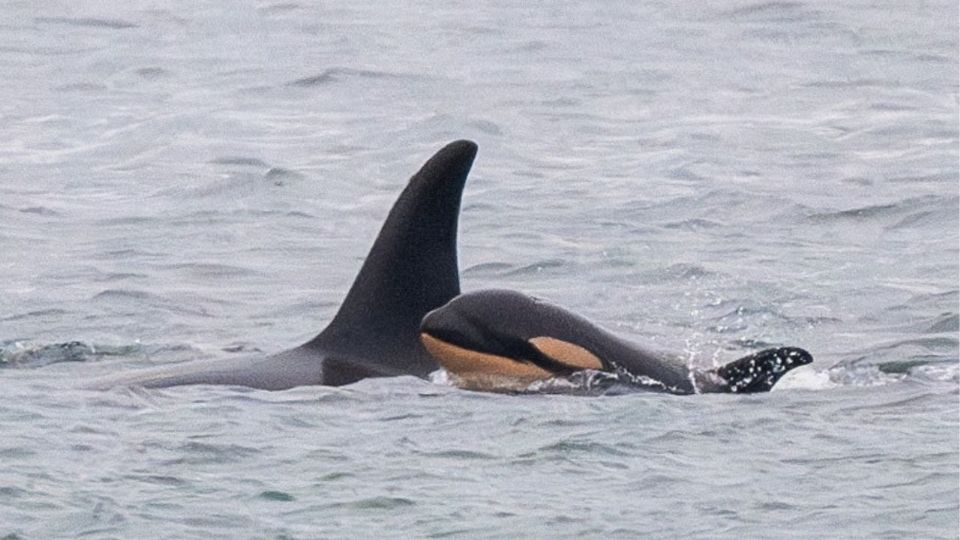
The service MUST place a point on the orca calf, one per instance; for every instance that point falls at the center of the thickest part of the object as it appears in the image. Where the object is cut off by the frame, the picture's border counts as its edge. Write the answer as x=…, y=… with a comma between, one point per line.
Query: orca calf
x=501, y=340
x=410, y=270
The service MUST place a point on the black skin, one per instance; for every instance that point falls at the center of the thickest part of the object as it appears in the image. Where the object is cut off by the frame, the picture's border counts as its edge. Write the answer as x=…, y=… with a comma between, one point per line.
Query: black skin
x=501, y=322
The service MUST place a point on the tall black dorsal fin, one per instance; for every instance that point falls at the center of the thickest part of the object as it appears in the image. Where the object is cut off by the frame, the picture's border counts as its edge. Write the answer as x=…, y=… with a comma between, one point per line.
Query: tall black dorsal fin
x=760, y=371
x=412, y=266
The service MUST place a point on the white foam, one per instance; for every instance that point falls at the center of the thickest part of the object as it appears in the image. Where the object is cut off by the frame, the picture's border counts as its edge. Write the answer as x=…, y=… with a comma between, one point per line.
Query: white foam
x=937, y=372
x=441, y=377
x=805, y=378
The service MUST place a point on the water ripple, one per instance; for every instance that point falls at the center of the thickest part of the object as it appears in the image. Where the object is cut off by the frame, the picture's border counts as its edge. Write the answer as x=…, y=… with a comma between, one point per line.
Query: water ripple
x=111, y=24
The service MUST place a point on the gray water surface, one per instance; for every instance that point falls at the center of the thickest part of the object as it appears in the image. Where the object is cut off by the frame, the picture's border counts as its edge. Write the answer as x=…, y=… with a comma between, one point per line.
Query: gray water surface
x=188, y=180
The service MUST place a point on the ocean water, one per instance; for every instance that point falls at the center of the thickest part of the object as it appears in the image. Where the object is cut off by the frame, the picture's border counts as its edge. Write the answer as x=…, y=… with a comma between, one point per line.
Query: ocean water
x=186, y=180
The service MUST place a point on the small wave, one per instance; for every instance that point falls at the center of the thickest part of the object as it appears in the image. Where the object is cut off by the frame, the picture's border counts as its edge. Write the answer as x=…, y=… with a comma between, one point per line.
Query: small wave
x=679, y=272
x=575, y=447
x=152, y=73
x=241, y=348
x=861, y=376
x=735, y=319
x=138, y=299
x=931, y=343
x=684, y=173
x=488, y=269
x=159, y=479
x=851, y=84
x=946, y=322
x=746, y=342
x=375, y=503
x=81, y=87
x=282, y=7
x=887, y=106
x=909, y=367
x=42, y=355
x=211, y=270
x=280, y=176
x=903, y=210
x=127, y=221
x=938, y=213
x=486, y=126
x=695, y=224
x=240, y=161
x=113, y=24
x=768, y=11
x=197, y=453
x=119, y=276
x=10, y=492
x=238, y=184
x=48, y=51
x=537, y=267
x=931, y=300
x=122, y=294
x=919, y=218
x=863, y=212
x=128, y=254
x=339, y=73
x=906, y=55
x=932, y=358
x=39, y=210
x=938, y=372
x=280, y=496
x=459, y=455
x=20, y=355
x=34, y=314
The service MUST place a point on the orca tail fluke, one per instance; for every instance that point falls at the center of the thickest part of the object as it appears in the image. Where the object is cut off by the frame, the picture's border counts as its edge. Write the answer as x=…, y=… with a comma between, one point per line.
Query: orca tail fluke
x=760, y=371
x=411, y=268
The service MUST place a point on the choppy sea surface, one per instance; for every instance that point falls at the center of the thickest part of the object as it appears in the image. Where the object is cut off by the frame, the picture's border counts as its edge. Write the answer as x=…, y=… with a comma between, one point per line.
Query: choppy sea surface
x=187, y=180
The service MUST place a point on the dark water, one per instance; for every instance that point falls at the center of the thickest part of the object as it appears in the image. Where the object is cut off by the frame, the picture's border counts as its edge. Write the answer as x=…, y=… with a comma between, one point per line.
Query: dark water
x=185, y=180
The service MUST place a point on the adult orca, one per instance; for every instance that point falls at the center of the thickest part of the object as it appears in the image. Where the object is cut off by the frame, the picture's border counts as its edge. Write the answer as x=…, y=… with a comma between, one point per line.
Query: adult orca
x=502, y=340
x=410, y=270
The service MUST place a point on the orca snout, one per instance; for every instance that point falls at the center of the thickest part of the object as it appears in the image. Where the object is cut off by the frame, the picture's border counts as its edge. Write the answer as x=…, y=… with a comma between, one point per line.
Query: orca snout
x=446, y=323
x=434, y=321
